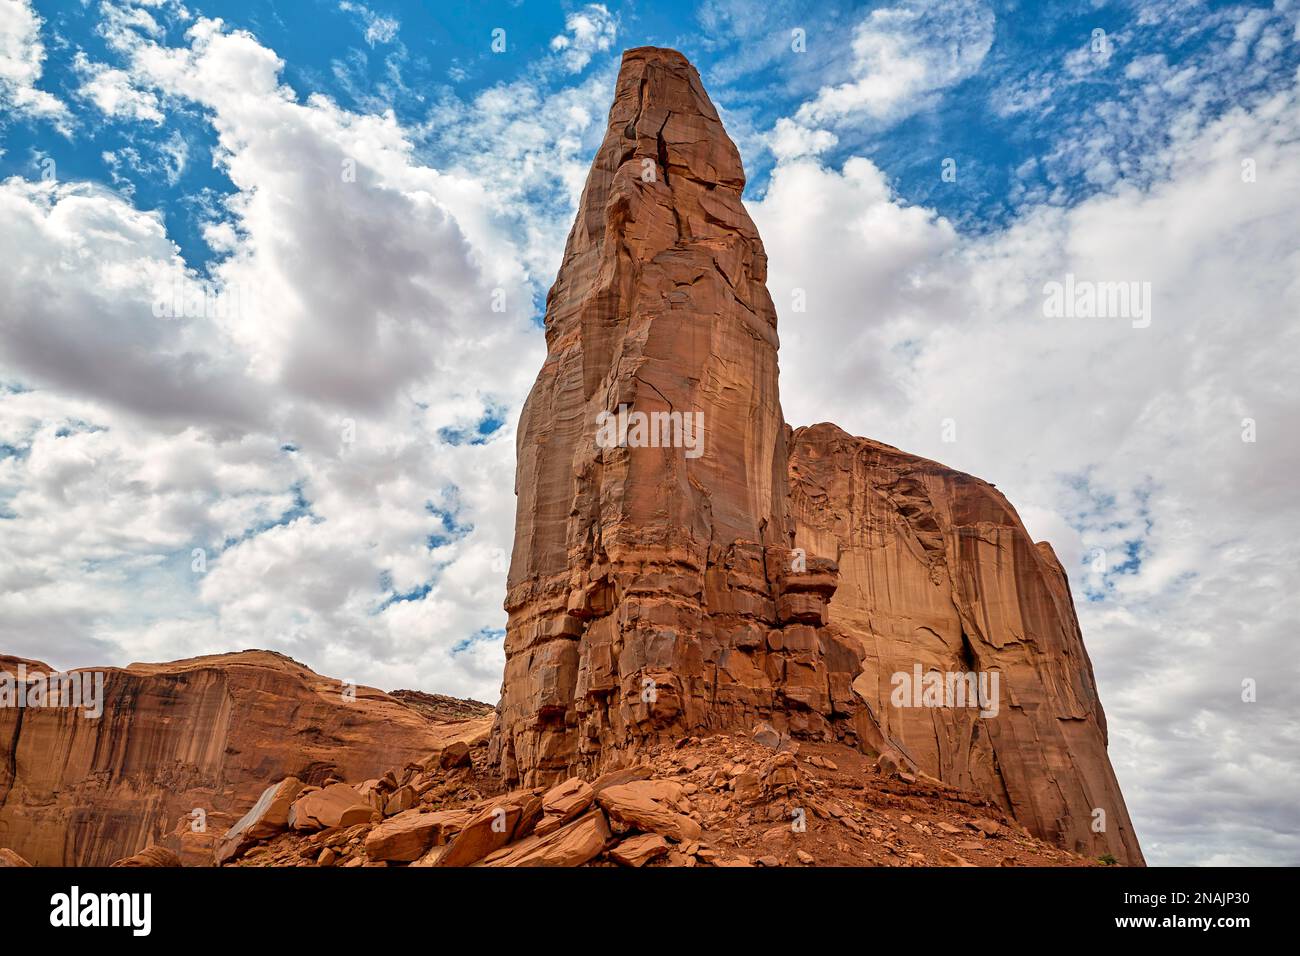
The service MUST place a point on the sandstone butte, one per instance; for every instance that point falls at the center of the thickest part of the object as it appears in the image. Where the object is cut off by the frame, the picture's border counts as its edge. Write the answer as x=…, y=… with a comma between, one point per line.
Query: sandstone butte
x=783, y=575
x=699, y=648
x=204, y=734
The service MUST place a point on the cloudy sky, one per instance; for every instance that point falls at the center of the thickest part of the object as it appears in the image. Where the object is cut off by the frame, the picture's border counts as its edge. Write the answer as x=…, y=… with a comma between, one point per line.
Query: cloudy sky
x=270, y=288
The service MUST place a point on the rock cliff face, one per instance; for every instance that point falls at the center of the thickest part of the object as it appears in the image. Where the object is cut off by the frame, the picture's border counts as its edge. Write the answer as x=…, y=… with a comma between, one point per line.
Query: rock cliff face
x=662, y=586
x=648, y=588
x=205, y=734
x=936, y=570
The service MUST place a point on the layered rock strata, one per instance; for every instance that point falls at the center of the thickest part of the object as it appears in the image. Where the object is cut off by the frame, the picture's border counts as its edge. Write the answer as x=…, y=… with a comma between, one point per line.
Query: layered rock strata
x=938, y=574
x=684, y=562
x=182, y=749
x=650, y=588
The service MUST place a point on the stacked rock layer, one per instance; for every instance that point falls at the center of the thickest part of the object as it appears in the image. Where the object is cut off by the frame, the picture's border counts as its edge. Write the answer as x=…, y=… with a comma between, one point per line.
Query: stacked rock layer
x=685, y=562
x=183, y=748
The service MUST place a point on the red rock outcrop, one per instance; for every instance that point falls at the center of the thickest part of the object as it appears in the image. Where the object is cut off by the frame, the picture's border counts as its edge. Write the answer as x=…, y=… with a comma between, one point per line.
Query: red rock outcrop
x=206, y=734
x=648, y=590
x=709, y=617
x=151, y=857
x=937, y=571
x=726, y=799
x=665, y=581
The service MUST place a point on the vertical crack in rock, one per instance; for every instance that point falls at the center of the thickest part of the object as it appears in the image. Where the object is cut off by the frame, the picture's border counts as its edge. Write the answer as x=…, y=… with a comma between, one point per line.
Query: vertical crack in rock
x=657, y=591
x=11, y=765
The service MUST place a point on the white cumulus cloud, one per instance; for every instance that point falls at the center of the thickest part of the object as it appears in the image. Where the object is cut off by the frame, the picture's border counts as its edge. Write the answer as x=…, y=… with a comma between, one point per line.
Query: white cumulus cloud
x=588, y=31
x=22, y=58
x=901, y=56
x=112, y=92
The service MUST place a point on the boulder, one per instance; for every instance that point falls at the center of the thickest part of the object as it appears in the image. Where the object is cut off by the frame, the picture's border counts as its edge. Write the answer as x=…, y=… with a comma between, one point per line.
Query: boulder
x=337, y=805
x=455, y=754
x=373, y=792
x=399, y=801
x=639, y=850
x=497, y=823
x=779, y=775
x=573, y=844
x=267, y=817
x=564, y=802
x=651, y=806
x=747, y=787
x=150, y=856
x=889, y=762
x=765, y=735
x=409, y=835
x=613, y=778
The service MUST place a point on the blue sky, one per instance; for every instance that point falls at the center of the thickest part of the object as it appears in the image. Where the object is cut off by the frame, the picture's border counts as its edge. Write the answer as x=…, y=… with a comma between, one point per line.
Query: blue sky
x=332, y=428
x=409, y=56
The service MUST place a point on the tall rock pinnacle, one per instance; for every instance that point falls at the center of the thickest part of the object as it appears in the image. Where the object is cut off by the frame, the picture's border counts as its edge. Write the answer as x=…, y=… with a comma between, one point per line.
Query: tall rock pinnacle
x=665, y=579
x=639, y=594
